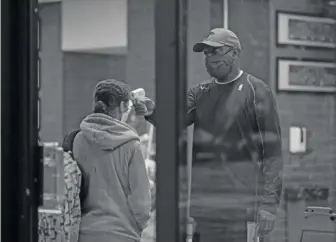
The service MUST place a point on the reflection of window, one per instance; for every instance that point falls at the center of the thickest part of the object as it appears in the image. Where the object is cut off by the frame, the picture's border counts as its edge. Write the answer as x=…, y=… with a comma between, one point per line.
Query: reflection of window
x=312, y=76
x=303, y=30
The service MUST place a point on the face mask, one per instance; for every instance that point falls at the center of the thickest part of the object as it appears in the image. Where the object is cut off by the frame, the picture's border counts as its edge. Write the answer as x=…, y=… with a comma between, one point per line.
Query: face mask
x=219, y=66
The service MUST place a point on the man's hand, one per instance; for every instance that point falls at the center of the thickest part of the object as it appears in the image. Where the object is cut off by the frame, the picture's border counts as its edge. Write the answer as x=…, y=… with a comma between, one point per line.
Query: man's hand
x=265, y=223
x=144, y=107
x=133, y=120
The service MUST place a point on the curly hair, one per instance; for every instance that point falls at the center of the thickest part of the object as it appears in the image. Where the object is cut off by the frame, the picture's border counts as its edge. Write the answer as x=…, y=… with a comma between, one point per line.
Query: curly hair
x=109, y=94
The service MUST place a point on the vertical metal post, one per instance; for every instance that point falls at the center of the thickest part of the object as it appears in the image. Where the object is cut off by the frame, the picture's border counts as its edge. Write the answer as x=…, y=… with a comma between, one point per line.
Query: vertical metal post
x=34, y=159
x=19, y=120
x=28, y=127
x=225, y=14
x=166, y=59
x=181, y=109
x=170, y=71
x=9, y=203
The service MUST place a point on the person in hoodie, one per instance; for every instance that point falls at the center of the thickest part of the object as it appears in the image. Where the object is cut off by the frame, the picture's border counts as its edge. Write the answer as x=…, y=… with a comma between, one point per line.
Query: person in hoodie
x=117, y=204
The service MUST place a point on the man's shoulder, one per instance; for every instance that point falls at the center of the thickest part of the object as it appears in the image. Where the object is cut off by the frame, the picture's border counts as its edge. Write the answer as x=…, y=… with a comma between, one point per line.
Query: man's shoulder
x=258, y=87
x=202, y=86
x=256, y=82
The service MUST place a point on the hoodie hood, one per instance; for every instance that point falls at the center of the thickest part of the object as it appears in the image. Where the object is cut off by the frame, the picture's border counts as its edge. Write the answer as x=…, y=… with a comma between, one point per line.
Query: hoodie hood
x=106, y=132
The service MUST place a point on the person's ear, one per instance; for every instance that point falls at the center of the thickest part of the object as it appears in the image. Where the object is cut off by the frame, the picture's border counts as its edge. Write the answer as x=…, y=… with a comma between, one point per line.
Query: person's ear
x=124, y=106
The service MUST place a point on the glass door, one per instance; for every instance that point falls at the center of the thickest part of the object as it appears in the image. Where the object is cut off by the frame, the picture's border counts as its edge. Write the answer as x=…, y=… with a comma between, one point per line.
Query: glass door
x=269, y=157
x=138, y=43
x=263, y=156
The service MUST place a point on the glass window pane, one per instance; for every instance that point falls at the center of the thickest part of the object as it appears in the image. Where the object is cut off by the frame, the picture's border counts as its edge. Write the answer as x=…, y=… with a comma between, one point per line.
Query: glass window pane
x=81, y=44
x=261, y=110
x=273, y=120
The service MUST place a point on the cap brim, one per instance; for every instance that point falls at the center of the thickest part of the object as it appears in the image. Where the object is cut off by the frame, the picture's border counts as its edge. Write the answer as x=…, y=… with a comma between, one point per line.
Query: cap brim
x=200, y=46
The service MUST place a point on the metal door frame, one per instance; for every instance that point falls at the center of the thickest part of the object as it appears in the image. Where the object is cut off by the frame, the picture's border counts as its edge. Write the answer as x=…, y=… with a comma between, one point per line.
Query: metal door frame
x=171, y=81
x=19, y=160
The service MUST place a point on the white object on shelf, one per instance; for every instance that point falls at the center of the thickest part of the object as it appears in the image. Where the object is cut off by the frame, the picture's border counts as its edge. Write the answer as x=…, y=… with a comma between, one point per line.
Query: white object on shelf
x=297, y=139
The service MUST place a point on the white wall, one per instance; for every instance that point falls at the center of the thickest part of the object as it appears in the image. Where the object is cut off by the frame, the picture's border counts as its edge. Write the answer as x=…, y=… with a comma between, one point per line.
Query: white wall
x=94, y=25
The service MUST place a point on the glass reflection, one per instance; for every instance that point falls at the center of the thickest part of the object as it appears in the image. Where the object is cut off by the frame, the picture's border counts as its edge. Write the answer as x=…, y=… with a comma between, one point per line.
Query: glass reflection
x=242, y=102
x=90, y=70
x=236, y=174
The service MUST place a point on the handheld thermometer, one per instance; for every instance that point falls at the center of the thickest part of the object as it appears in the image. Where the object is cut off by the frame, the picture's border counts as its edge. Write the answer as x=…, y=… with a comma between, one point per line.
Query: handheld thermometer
x=137, y=94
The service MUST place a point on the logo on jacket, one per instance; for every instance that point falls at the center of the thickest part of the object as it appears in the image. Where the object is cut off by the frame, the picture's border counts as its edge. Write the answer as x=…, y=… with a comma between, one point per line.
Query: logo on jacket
x=205, y=86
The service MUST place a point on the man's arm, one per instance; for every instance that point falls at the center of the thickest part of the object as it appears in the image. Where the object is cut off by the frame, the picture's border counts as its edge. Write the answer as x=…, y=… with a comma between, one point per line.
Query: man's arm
x=269, y=127
x=189, y=117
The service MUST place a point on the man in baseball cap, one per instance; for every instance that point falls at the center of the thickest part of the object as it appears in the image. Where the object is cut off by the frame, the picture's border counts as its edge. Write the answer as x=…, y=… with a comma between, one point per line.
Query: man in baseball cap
x=240, y=112
x=221, y=48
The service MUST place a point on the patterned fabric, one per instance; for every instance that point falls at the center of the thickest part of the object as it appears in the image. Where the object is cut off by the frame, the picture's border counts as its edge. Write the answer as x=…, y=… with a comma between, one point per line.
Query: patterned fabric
x=64, y=227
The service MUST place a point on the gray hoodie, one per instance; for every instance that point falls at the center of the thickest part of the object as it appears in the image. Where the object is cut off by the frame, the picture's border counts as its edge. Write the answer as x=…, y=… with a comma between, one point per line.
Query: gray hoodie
x=118, y=203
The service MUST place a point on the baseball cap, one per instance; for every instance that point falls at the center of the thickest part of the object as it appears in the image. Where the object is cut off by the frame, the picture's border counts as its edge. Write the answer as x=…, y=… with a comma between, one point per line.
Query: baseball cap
x=217, y=38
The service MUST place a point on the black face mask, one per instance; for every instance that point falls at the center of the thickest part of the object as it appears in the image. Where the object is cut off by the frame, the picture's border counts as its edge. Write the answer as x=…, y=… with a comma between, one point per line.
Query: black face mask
x=219, y=65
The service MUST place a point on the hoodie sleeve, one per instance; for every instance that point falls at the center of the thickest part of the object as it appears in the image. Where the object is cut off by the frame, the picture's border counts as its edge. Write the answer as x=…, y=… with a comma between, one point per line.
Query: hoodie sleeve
x=269, y=128
x=139, y=199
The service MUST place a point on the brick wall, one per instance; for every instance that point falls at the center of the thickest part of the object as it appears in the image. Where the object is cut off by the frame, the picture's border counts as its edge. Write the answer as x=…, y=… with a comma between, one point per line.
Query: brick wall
x=254, y=23
x=316, y=112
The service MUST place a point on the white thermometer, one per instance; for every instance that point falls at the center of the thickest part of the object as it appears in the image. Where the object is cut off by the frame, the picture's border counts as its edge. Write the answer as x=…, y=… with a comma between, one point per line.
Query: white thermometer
x=139, y=94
